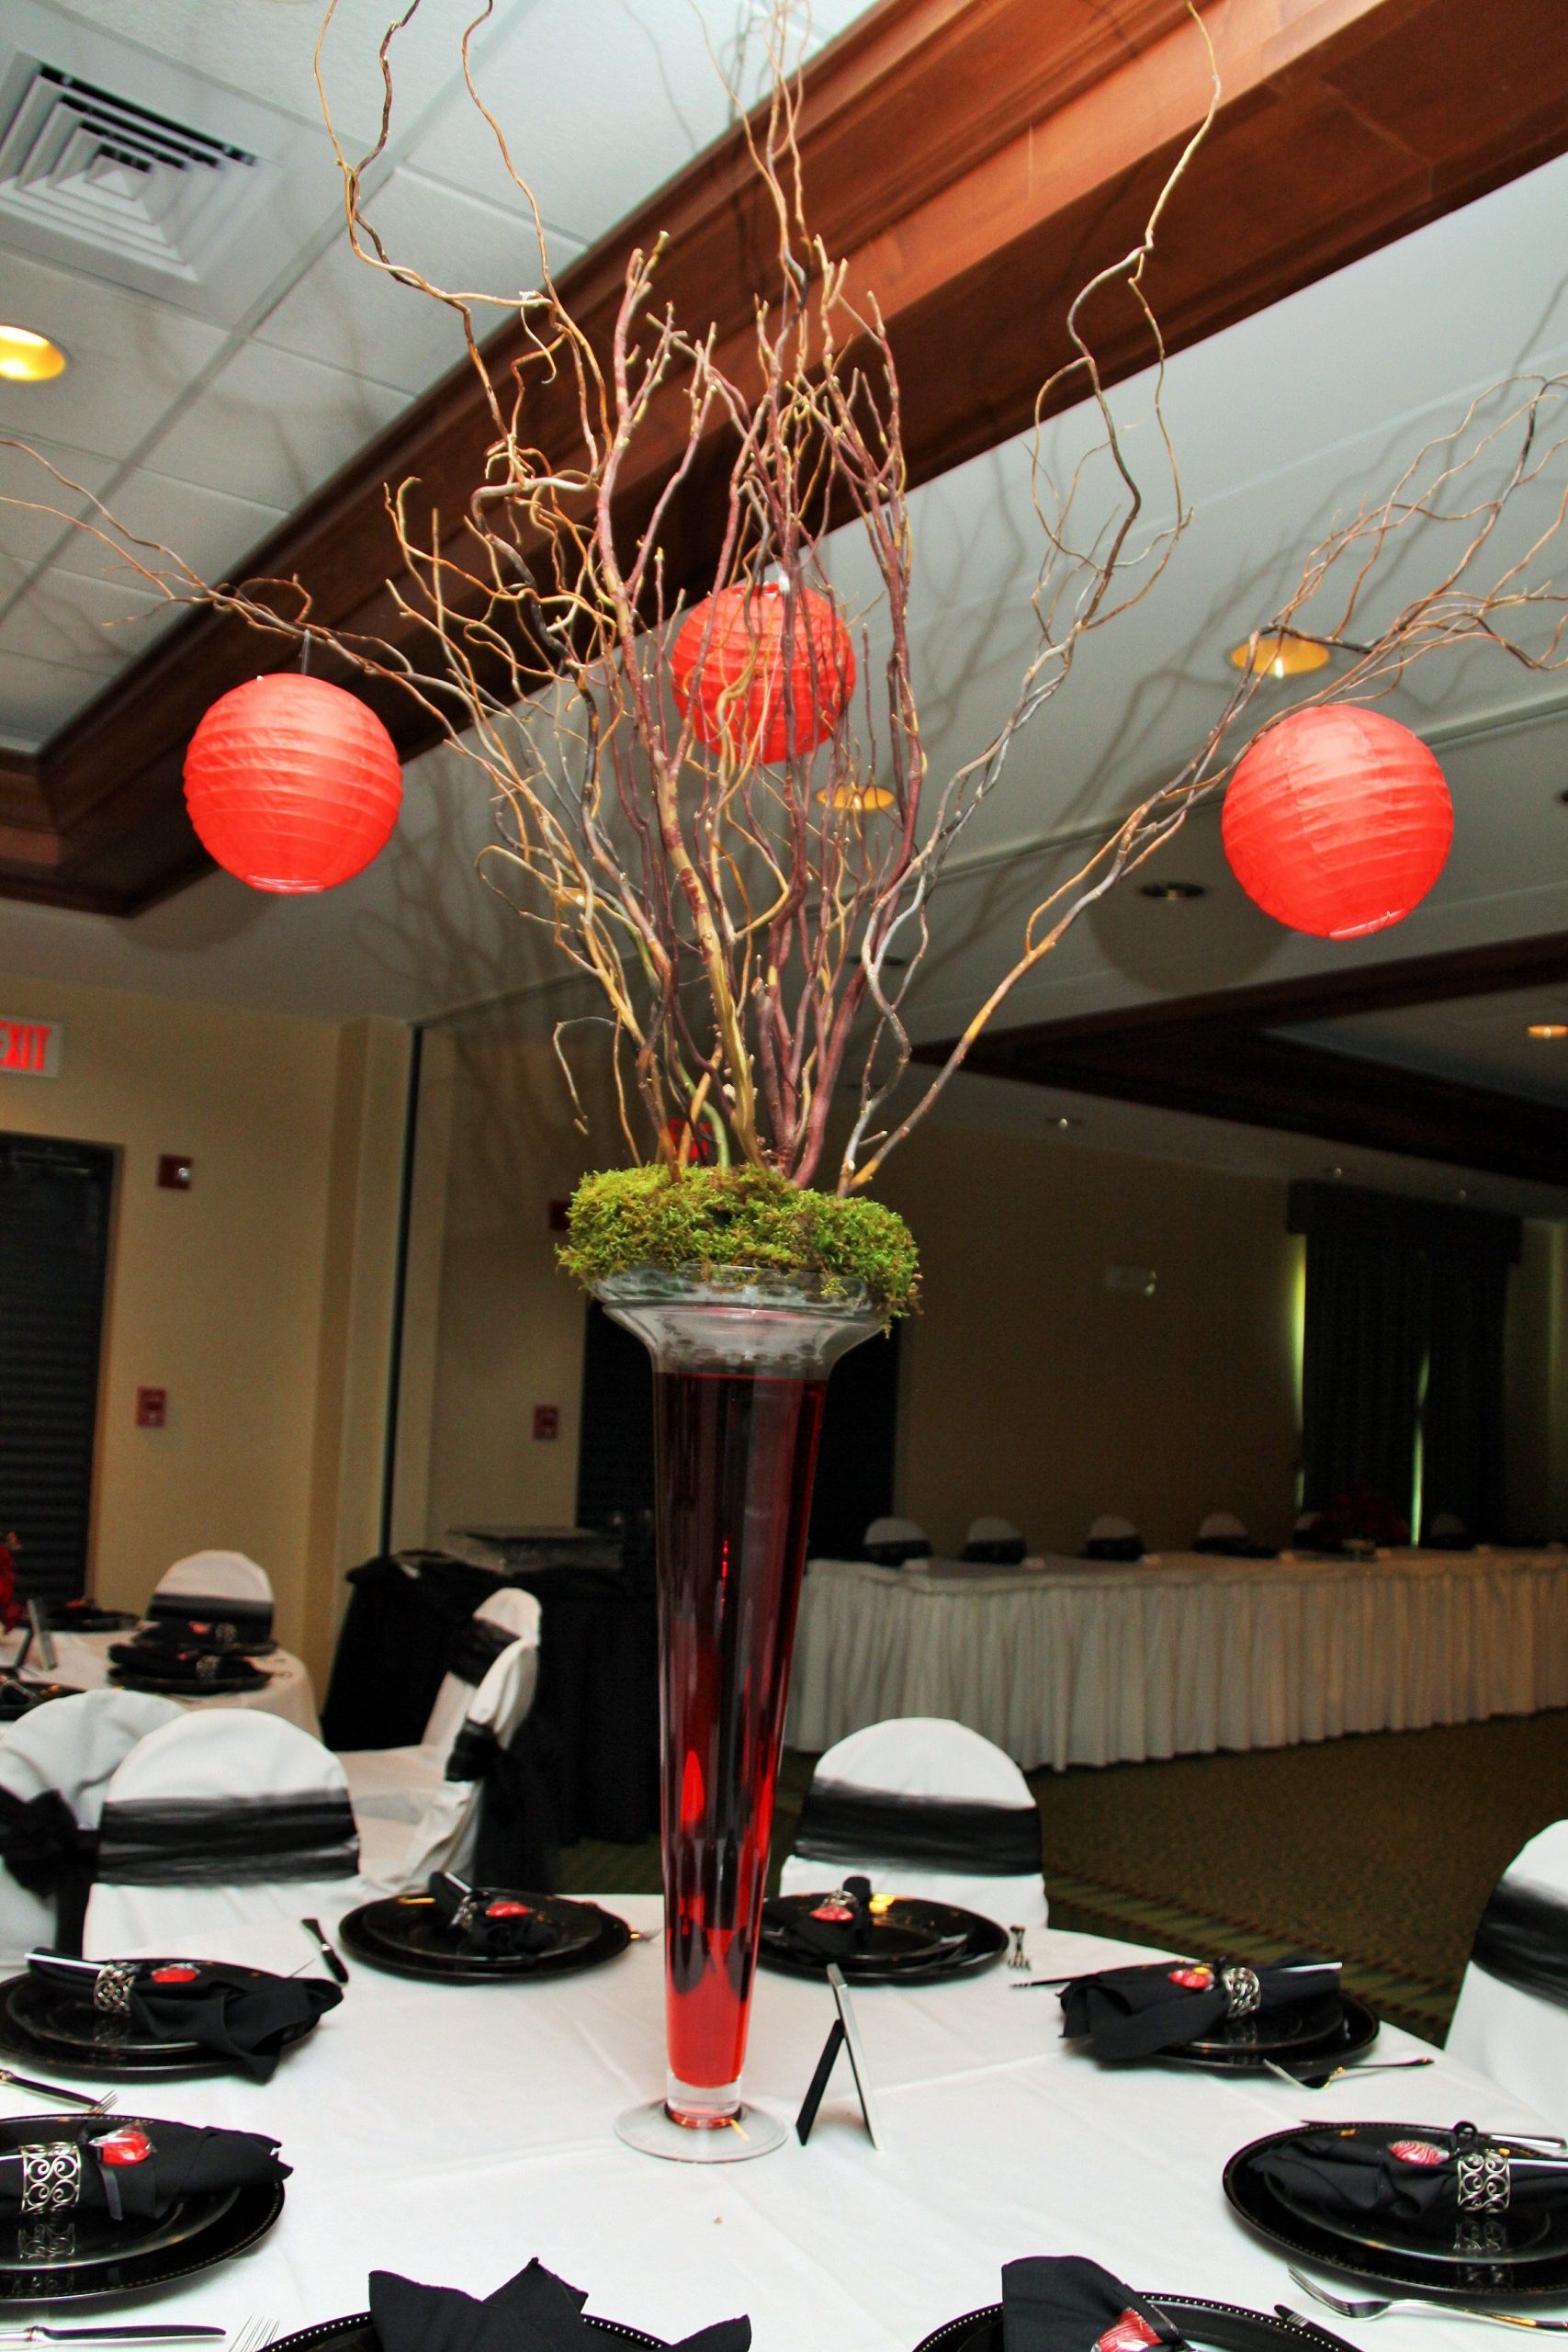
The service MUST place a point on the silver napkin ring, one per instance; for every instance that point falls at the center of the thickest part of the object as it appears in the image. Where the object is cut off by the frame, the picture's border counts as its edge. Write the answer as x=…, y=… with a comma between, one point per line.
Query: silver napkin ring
x=1485, y=2183
x=51, y=2175
x=1244, y=1994
x=208, y=1666
x=465, y=1916
x=111, y=1992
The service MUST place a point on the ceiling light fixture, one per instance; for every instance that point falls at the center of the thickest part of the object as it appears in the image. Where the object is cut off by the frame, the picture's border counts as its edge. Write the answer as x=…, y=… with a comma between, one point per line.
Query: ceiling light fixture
x=1279, y=653
x=1173, y=890
x=27, y=358
x=1064, y=1120
x=1548, y=1029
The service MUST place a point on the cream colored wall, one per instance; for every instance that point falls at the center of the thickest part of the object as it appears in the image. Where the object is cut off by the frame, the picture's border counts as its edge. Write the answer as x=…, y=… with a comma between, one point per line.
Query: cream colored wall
x=258, y=1300
x=1032, y=1391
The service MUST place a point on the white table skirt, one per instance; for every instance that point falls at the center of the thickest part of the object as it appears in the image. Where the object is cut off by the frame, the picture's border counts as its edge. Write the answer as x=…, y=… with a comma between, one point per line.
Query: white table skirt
x=453, y=2132
x=84, y=1665
x=1067, y=1662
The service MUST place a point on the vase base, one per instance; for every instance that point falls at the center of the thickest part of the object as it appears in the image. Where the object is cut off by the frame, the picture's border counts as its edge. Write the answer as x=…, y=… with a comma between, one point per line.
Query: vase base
x=654, y=2132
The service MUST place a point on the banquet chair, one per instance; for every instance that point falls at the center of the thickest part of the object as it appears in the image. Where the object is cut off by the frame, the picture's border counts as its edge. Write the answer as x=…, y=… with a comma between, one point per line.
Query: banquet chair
x=480, y=1772
x=1512, y=2018
x=398, y=1783
x=891, y=1543
x=995, y=1540
x=926, y=1807
x=1111, y=1538
x=223, y=1588
x=225, y=1819
x=1227, y=1538
x=68, y=1750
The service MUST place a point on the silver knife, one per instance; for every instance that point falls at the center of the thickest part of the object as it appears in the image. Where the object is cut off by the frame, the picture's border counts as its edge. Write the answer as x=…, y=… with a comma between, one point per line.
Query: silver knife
x=150, y=2333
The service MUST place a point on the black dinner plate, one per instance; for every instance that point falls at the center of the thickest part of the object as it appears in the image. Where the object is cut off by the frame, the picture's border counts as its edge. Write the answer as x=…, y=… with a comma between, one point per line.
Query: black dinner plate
x=191, y=1686
x=1495, y=2263
x=912, y=1942
x=44, y=2021
x=1227, y=2327
x=1345, y=2028
x=406, y=1935
x=18, y=1697
x=358, y=2334
x=66, y=2258
x=86, y=1617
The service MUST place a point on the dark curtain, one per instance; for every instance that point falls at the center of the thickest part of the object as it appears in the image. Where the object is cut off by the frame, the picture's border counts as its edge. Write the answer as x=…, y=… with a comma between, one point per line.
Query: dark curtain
x=1367, y=1313
x=1396, y=1289
x=1462, y=1467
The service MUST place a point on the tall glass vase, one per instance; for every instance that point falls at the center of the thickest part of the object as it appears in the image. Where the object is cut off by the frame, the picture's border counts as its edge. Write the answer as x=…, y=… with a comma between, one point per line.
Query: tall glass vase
x=740, y=1365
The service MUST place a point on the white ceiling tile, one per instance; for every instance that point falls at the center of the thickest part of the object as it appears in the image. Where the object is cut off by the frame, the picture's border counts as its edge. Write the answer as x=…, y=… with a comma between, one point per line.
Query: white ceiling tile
x=207, y=529
x=88, y=623
x=131, y=360
x=270, y=426
x=27, y=490
x=37, y=697
x=351, y=314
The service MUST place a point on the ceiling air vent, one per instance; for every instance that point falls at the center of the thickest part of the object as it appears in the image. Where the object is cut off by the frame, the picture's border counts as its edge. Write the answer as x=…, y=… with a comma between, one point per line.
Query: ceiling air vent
x=112, y=174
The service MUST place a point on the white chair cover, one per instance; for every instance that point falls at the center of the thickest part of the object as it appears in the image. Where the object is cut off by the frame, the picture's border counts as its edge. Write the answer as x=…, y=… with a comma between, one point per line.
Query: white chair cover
x=224, y=1819
x=894, y=1541
x=397, y=1856
x=1222, y=1526
x=926, y=1755
x=397, y=1783
x=216, y=1583
x=1518, y=2036
x=73, y=1747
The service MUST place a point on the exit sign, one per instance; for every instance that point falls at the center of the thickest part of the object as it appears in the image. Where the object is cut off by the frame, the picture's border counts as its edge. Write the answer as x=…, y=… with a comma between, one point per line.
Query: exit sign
x=29, y=1049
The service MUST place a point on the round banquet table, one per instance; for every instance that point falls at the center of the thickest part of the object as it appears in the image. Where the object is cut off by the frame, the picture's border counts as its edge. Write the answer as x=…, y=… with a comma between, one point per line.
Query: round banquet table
x=85, y=1666
x=453, y=2132
x=1065, y=1662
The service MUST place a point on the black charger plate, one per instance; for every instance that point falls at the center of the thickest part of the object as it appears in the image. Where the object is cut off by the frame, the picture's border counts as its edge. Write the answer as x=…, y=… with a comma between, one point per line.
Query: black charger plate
x=1351, y=2029
x=405, y=1935
x=358, y=2334
x=1487, y=2270
x=42, y=2021
x=1227, y=2327
x=912, y=1942
x=68, y=2258
x=192, y=1685
x=19, y=1697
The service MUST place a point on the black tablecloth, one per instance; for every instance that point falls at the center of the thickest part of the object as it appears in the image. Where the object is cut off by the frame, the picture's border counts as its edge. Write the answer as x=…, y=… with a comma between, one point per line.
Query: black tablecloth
x=595, y=1722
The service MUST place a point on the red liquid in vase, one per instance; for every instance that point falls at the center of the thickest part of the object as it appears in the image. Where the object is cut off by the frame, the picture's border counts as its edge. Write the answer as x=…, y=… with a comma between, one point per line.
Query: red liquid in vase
x=736, y=1459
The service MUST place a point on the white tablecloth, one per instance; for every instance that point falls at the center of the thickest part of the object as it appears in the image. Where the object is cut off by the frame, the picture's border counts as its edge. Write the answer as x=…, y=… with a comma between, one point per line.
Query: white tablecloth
x=1070, y=1662
x=454, y=2132
x=84, y=1665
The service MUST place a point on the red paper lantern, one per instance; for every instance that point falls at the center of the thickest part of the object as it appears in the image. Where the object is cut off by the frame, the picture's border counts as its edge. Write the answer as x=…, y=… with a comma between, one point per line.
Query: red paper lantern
x=291, y=784
x=742, y=700
x=1337, y=821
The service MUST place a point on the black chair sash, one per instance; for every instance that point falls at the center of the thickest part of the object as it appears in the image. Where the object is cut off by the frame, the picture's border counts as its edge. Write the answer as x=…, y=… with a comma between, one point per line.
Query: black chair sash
x=998, y=1551
x=1523, y=1940
x=475, y=1648
x=227, y=1841
x=47, y=1851
x=843, y=1825
x=252, y=1620
x=473, y=1754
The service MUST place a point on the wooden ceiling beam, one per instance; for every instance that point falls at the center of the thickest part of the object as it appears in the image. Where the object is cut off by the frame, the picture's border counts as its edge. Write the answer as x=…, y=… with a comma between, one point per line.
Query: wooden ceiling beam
x=976, y=169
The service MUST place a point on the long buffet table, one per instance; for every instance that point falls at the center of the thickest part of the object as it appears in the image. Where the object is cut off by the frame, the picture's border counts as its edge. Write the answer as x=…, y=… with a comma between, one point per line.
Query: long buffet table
x=451, y=2132
x=1068, y=1662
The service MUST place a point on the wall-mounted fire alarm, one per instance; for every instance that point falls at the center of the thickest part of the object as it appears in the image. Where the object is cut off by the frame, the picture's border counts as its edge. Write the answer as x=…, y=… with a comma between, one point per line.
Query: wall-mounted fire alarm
x=546, y=1421
x=152, y=1409
x=175, y=1171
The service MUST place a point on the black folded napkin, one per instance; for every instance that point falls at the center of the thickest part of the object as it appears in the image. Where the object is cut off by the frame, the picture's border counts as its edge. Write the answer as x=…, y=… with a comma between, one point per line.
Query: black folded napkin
x=133, y=2171
x=836, y=1928
x=1351, y=2177
x=1136, y=2012
x=491, y=1919
x=163, y=1658
x=245, y=2014
x=535, y=2311
x=1067, y=2304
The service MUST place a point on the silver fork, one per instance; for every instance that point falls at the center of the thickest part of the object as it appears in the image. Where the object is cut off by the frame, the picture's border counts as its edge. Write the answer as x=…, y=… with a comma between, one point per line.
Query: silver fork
x=1017, y=1957
x=1363, y=2307
x=1320, y=2082
x=254, y=2335
x=94, y=2102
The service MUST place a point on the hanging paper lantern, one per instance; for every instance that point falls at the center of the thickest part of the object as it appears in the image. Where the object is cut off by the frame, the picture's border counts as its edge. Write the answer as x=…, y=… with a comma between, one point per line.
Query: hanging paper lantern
x=291, y=784
x=743, y=699
x=1337, y=821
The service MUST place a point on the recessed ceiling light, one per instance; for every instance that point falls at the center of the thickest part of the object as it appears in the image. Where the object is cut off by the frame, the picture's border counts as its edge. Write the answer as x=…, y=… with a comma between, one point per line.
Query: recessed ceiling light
x=27, y=358
x=1064, y=1120
x=1548, y=1029
x=1280, y=653
x=1334, y=1172
x=1174, y=890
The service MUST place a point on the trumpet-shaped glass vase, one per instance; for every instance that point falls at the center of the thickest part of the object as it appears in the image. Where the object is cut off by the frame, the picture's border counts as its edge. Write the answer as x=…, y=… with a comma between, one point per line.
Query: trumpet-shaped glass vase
x=741, y=1361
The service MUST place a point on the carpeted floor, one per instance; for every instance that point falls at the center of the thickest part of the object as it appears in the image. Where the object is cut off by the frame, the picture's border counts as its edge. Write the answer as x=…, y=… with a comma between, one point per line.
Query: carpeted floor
x=1381, y=1849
